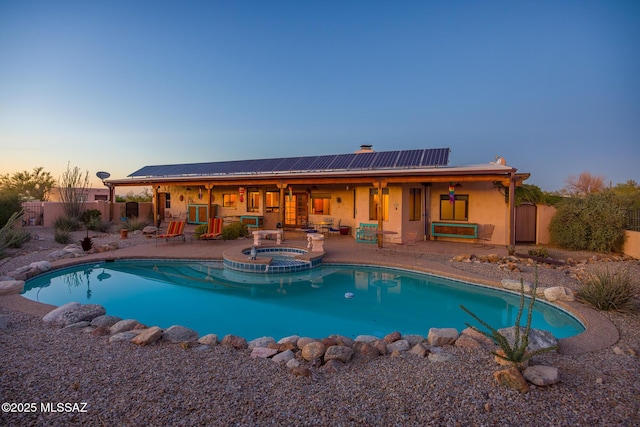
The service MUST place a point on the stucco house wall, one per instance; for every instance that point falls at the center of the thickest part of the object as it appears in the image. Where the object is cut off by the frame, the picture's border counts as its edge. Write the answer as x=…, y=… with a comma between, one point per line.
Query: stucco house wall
x=487, y=205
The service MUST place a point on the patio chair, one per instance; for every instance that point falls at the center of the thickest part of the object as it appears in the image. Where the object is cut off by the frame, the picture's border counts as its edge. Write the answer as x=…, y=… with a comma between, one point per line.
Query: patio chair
x=214, y=229
x=408, y=241
x=175, y=229
x=485, y=233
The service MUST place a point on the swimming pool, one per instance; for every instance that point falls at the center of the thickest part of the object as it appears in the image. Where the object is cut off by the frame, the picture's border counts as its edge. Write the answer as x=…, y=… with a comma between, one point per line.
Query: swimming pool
x=210, y=299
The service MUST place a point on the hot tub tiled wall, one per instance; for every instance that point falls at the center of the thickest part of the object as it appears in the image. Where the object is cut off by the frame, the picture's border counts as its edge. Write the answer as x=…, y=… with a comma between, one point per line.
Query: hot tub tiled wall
x=276, y=266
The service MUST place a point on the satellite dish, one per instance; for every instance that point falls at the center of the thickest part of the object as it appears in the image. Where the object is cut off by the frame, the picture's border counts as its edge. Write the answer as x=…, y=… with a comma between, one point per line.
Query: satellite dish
x=103, y=175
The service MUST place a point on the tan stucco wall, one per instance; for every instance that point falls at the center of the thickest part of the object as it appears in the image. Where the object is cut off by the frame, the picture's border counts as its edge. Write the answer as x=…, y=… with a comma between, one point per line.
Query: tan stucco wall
x=486, y=206
x=632, y=244
x=54, y=210
x=544, y=215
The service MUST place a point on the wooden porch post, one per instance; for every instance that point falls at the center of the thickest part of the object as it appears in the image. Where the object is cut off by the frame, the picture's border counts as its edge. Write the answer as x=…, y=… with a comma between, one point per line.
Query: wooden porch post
x=282, y=186
x=512, y=209
x=209, y=188
x=156, y=205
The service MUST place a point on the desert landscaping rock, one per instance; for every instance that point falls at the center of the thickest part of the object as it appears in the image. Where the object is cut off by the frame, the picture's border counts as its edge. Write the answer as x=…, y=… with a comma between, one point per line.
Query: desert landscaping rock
x=542, y=375
x=209, y=339
x=442, y=336
x=123, y=326
x=147, y=336
x=8, y=287
x=55, y=315
x=177, y=333
x=105, y=320
x=538, y=339
x=86, y=312
x=558, y=293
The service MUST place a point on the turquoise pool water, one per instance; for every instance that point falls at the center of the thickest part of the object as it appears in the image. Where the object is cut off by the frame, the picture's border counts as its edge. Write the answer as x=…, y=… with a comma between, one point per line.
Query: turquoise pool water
x=205, y=297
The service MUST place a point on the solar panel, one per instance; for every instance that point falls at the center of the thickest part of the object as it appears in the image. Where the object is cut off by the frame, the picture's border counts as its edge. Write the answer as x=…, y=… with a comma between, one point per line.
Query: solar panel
x=385, y=160
x=400, y=159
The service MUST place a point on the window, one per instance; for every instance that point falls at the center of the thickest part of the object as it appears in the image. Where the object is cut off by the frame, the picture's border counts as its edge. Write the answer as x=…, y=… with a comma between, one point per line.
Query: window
x=229, y=200
x=253, y=200
x=272, y=202
x=415, y=204
x=377, y=203
x=320, y=204
x=457, y=211
x=167, y=201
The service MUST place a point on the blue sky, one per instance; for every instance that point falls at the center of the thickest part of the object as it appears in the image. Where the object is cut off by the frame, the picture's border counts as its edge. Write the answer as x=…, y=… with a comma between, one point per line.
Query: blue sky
x=552, y=86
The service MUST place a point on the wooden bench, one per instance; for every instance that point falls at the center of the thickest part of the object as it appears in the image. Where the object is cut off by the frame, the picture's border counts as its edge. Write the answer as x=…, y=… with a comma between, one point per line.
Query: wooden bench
x=452, y=229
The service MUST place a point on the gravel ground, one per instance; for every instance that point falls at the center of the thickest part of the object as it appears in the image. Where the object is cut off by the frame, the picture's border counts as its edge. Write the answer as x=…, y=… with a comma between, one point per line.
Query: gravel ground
x=167, y=384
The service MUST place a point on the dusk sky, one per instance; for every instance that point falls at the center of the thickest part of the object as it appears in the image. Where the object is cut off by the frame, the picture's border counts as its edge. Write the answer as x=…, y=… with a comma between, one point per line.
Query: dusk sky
x=552, y=86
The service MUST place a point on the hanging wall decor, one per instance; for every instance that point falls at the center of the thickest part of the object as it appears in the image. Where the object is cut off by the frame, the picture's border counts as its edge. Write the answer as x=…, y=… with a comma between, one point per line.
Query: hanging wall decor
x=452, y=193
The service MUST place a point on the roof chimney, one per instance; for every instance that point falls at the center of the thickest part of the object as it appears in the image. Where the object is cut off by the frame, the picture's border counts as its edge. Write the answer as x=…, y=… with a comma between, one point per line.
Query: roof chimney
x=365, y=148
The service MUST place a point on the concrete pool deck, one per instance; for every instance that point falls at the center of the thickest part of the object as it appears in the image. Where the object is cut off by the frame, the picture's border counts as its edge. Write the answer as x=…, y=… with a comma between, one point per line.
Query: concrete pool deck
x=428, y=257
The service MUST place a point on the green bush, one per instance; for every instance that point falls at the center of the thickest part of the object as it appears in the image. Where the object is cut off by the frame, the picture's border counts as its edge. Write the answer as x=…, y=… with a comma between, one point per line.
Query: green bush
x=200, y=230
x=234, y=231
x=14, y=238
x=539, y=252
x=9, y=204
x=593, y=223
x=607, y=290
x=62, y=236
x=135, y=223
x=7, y=229
x=66, y=223
x=96, y=224
x=91, y=215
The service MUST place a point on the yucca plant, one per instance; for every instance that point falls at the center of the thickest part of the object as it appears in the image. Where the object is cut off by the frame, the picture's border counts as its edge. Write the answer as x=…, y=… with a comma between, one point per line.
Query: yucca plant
x=608, y=290
x=517, y=353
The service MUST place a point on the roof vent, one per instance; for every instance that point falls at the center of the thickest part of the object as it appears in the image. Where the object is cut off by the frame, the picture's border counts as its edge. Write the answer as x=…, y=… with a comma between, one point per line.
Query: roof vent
x=365, y=148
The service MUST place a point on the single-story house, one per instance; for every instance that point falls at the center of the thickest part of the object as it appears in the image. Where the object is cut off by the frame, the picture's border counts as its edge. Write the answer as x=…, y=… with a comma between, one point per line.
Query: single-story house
x=401, y=191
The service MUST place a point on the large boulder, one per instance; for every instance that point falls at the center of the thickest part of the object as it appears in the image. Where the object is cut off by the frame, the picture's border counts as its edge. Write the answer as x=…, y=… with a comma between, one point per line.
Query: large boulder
x=338, y=352
x=538, y=338
x=8, y=287
x=312, y=351
x=442, y=336
x=54, y=315
x=233, y=341
x=123, y=326
x=558, y=293
x=542, y=375
x=86, y=312
x=177, y=333
x=147, y=336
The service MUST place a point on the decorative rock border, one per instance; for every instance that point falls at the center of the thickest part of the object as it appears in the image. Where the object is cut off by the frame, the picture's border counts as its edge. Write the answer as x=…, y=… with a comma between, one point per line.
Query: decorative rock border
x=301, y=355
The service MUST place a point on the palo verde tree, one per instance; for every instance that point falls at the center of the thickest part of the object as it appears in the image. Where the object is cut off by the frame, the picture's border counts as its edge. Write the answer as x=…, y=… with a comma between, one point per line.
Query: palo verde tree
x=27, y=185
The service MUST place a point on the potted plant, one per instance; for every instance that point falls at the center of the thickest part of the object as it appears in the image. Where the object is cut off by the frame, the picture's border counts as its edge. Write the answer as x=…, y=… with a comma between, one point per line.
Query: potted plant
x=344, y=229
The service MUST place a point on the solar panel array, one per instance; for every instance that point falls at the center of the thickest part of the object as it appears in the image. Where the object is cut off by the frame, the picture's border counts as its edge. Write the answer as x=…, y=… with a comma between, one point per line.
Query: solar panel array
x=377, y=160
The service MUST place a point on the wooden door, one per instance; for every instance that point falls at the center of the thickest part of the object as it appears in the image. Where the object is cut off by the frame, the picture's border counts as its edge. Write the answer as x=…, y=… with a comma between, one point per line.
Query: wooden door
x=526, y=223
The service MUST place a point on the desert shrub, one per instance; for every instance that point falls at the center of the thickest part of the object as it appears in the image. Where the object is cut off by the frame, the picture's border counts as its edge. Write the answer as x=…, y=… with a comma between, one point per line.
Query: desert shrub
x=62, y=236
x=91, y=215
x=539, y=252
x=66, y=223
x=14, y=237
x=135, y=223
x=200, y=230
x=608, y=290
x=9, y=204
x=7, y=229
x=593, y=223
x=97, y=224
x=234, y=231
x=517, y=353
